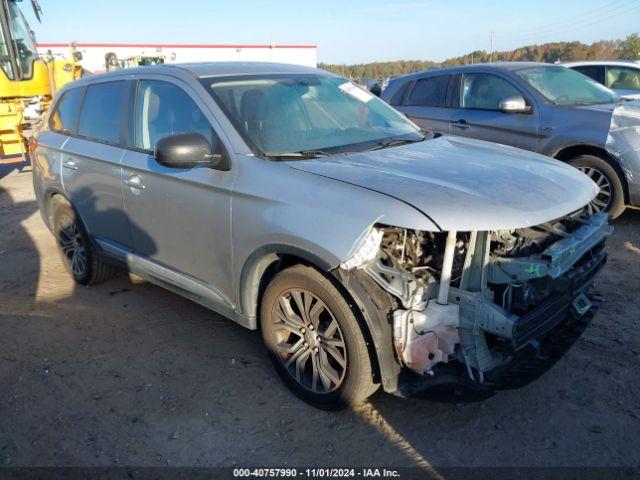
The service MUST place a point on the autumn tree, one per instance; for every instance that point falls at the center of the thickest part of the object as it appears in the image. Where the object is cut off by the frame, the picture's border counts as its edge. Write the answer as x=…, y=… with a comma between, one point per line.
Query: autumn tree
x=548, y=52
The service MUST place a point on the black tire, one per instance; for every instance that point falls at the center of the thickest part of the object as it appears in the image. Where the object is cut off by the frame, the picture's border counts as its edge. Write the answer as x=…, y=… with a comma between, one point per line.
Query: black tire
x=594, y=166
x=356, y=378
x=65, y=221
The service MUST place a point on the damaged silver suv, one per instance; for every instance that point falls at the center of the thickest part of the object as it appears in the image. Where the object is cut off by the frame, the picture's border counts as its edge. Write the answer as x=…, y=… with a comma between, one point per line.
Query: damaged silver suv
x=290, y=200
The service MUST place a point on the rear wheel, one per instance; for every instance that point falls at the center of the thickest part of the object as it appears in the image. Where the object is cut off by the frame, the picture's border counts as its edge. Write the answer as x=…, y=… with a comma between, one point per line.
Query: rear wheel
x=610, y=196
x=75, y=247
x=315, y=340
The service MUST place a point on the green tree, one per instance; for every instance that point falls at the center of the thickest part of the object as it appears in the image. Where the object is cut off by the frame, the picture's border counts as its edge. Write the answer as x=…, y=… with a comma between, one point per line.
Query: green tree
x=630, y=48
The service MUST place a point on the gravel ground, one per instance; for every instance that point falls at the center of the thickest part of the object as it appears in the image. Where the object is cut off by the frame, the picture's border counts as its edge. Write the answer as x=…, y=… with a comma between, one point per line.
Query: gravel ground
x=126, y=373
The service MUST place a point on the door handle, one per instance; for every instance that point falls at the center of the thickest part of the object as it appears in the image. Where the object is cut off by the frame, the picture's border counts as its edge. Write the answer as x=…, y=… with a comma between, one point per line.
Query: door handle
x=134, y=182
x=70, y=163
x=461, y=124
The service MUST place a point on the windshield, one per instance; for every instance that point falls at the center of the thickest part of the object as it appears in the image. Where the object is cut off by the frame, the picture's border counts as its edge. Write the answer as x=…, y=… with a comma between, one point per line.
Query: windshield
x=313, y=114
x=563, y=86
x=23, y=41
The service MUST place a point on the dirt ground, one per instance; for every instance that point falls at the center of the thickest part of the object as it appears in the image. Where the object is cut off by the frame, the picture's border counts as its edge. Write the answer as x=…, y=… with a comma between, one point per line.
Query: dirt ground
x=126, y=373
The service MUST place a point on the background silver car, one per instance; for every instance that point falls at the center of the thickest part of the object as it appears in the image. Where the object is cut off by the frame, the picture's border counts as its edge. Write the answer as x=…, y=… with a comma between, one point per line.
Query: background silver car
x=623, y=77
x=289, y=199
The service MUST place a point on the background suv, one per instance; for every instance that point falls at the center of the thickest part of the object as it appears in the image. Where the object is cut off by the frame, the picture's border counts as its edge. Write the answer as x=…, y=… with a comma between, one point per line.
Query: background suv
x=544, y=108
x=291, y=200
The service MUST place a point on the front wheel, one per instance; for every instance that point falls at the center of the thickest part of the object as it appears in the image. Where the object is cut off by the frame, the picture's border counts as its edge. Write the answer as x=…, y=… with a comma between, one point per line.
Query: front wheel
x=315, y=340
x=610, y=196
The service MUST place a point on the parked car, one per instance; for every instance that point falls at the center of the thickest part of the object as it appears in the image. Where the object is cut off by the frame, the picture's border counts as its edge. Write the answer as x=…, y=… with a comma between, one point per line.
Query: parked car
x=289, y=199
x=623, y=77
x=544, y=108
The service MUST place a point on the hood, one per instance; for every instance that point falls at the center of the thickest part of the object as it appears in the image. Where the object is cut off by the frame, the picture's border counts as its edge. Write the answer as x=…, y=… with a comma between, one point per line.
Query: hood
x=463, y=184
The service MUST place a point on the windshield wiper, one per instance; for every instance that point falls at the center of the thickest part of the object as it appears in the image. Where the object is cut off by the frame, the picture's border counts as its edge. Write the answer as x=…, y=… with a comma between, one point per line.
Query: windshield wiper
x=396, y=142
x=302, y=154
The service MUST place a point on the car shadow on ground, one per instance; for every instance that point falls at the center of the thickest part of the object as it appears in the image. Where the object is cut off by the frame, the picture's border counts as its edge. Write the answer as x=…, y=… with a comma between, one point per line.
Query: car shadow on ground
x=127, y=373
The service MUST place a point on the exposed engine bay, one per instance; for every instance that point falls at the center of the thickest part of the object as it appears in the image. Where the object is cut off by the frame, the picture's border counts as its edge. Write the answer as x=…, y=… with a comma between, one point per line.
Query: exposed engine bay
x=478, y=297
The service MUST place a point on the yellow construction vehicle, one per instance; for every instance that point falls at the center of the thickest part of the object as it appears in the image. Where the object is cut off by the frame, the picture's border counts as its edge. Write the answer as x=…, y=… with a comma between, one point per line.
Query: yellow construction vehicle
x=27, y=79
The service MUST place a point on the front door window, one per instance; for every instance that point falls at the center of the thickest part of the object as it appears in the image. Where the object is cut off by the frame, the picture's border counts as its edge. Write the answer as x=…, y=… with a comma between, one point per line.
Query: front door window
x=482, y=91
x=623, y=78
x=165, y=109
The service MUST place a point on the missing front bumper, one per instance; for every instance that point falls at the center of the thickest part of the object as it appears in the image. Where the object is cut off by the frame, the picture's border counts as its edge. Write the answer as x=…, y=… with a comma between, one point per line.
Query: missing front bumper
x=451, y=383
x=543, y=318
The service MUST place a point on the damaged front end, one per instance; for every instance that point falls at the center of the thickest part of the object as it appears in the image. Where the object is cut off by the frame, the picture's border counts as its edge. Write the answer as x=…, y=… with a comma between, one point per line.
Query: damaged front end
x=493, y=309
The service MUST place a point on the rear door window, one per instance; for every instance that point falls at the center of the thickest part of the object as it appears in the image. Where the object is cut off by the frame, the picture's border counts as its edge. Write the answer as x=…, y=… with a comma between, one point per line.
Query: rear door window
x=623, y=78
x=65, y=117
x=595, y=72
x=429, y=92
x=398, y=97
x=101, y=116
x=484, y=91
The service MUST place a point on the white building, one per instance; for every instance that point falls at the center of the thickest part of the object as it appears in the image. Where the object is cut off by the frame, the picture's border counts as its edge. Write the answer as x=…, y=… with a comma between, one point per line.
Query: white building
x=95, y=55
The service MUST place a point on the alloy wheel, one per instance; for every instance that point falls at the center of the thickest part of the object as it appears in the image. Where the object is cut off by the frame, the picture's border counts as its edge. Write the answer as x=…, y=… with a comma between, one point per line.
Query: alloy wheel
x=603, y=199
x=72, y=245
x=309, y=341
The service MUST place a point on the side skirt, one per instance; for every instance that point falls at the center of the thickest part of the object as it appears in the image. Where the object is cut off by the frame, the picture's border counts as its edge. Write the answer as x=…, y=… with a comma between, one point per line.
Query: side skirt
x=172, y=280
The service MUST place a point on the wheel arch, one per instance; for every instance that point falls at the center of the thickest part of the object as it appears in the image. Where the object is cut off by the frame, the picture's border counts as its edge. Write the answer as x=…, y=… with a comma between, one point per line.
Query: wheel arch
x=266, y=262
x=262, y=265
x=48, y=200
x=568, y=152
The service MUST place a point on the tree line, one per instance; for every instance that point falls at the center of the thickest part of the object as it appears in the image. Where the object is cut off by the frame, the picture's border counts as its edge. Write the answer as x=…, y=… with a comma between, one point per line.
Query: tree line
x=628, y=48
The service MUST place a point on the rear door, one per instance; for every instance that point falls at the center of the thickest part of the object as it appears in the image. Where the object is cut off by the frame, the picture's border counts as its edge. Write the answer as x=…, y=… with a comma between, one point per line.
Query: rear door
x=478, y=96
x=180, y=218
x=425, y=103
x=91, y=172
x=63, y=122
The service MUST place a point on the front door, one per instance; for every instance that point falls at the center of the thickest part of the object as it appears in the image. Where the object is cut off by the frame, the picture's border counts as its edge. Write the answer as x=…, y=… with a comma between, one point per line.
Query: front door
x=478, y=96
x=179, y=218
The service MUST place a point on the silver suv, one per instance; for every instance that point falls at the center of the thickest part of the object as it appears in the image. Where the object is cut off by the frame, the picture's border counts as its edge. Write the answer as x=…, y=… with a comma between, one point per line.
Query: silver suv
x=291, y=200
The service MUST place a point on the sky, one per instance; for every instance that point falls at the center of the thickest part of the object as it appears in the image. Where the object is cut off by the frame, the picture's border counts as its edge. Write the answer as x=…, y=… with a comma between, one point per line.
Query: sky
x=344, y=31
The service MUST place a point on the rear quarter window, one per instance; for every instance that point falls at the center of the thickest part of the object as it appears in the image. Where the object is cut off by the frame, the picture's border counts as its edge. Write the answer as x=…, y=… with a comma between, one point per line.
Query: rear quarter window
x=65, y=116
x=101, y=116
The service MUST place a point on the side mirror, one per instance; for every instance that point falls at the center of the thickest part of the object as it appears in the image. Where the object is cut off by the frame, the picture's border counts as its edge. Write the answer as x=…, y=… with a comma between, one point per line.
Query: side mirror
x=515, y=104
x=187, y=150
x=77, y=56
